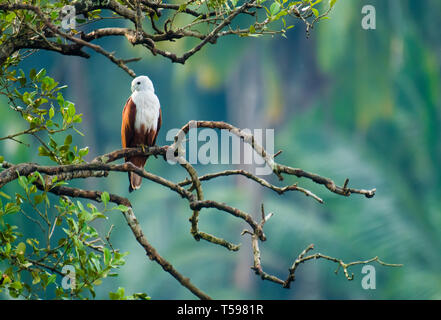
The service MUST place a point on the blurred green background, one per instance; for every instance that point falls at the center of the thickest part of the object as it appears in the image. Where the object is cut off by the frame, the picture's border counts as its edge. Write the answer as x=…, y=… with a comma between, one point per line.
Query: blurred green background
x=347, y=102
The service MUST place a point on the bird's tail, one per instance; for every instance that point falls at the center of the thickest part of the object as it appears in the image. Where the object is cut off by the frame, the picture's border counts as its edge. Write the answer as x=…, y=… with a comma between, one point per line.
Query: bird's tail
x=135, y=180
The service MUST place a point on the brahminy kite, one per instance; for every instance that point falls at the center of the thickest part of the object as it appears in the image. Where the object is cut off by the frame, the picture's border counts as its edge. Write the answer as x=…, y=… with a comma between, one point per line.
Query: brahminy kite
x=141, y=121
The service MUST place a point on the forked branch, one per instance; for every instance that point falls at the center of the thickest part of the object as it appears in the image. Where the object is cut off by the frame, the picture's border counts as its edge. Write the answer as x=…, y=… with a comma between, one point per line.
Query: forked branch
x=103, y=165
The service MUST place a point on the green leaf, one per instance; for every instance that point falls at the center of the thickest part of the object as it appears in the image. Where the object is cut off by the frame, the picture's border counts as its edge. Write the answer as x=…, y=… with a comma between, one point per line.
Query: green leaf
x=51, y=112
x=23, y=182
x=105, y=198
x=141, y=296
x=77, y=118
x=35, y=277
x=121, y=207
x=51, y=279
x=83, y=151
x=21, y=248
x=107, y=256
x=68, y=140
x=70, y=156
x=118, y=295
x=32, y=74
x=4, y=195
x=52, y=143
x=16, y=285
x=60, y=100
x=275, y=8
x=71, y=110
x=40, y=74
x=9, y=17
x=42, y=151
x=11, y=208
x=38, y=175
x=97, y=215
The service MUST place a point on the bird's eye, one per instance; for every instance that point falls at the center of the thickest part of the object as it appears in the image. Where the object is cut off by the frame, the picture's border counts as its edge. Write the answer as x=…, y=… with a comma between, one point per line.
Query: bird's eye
x=138, y=82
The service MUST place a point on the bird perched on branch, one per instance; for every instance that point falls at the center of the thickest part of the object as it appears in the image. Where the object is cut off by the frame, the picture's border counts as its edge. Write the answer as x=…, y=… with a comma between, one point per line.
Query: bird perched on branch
x=141, y=121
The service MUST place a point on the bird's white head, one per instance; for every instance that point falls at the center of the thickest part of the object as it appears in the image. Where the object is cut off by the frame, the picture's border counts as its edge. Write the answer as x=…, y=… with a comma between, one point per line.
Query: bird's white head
x=142, y=83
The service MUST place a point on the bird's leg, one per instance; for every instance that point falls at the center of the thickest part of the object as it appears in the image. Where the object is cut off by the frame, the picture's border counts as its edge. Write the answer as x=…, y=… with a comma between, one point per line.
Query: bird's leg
x=143, y=146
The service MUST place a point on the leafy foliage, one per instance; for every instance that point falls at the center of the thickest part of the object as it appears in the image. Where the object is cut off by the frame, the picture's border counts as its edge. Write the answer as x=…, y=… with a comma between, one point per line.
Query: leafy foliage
x=68, y=236
x=79, y=246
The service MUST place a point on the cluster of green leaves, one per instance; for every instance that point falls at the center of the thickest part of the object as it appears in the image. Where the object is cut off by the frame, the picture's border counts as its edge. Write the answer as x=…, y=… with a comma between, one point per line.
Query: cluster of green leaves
x=53, y=11
x=6, y=19
x=68, y=238
x=28, y=18
x=91, y=265
x=120, y=295
x=277, y=10
x=41, y=104
x=33, y=265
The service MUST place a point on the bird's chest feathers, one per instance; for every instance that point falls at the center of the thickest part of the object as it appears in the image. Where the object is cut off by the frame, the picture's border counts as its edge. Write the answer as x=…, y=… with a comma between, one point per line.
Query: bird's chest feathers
x=147, y=111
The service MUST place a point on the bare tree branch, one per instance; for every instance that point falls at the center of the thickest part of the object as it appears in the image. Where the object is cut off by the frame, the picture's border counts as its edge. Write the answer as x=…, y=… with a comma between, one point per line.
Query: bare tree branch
x=102, y=165
x=257, y=266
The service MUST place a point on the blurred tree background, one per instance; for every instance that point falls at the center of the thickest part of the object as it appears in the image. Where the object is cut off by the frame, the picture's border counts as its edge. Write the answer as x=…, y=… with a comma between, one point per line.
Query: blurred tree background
x=347, y=102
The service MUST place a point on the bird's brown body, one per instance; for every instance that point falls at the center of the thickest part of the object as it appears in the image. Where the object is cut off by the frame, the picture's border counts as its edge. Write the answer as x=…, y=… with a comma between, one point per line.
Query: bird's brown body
x=135, y=137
